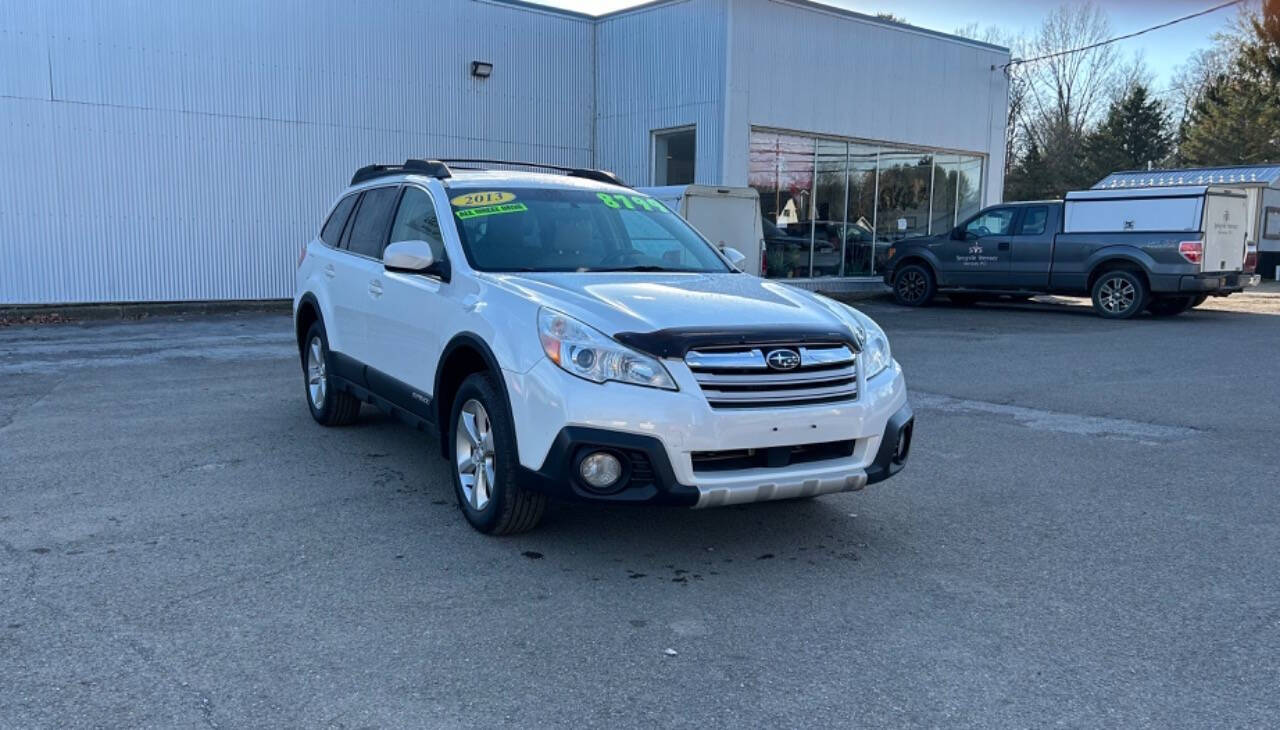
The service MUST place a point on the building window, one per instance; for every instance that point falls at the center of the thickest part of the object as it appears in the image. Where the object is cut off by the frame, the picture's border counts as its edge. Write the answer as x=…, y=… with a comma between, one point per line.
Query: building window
x=674, y=152
x=833, y=207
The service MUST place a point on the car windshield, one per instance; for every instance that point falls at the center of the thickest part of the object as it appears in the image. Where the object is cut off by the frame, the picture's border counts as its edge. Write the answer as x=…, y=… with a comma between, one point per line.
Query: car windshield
x=549, y=229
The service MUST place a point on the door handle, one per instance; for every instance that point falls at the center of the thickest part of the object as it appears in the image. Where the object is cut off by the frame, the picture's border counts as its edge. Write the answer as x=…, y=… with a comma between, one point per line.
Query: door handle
x=1004, y=246
x=329, y=271
x=375, y=288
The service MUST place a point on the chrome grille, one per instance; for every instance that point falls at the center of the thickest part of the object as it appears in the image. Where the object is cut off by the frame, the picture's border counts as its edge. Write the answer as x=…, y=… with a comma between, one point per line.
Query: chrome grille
x=740, y=377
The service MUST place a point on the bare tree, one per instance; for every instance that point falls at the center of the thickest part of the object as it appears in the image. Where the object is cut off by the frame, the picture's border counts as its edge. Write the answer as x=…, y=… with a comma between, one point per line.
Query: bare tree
x=1014, y=139
x=1067, y=92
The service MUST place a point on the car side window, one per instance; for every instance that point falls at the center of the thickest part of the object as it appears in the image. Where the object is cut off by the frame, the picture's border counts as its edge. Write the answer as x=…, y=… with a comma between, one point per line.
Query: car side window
x=331, y=234
x=1033, y=221
x=416, y=221
x=995, y=222
x=373, y=217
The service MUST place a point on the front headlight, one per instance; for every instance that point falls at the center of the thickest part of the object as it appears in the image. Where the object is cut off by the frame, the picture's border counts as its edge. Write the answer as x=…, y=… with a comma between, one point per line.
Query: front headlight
x=592, y=355
x=875, y=344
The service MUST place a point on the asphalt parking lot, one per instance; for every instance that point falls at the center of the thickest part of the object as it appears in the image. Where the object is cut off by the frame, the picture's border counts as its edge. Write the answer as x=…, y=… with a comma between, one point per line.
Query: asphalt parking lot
x=1088, y=534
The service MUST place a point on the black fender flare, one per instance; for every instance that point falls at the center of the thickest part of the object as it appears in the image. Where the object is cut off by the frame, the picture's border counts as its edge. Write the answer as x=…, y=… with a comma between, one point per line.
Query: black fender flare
x=473, y=341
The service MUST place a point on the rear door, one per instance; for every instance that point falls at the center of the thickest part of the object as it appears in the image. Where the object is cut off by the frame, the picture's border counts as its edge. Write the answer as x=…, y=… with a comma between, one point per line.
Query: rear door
x=357, y=268
x=1032, y=247
x=979, y=257
x=1225, y=230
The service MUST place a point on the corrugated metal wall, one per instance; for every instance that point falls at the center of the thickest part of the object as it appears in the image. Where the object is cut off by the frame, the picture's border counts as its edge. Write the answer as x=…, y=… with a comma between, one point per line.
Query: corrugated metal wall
x=795, y=66
x=184, y=151
x=659, y=67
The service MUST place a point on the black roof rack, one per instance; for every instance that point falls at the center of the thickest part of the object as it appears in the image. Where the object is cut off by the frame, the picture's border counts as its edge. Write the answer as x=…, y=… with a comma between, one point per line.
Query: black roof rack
x=431, y=168
x=603, y=176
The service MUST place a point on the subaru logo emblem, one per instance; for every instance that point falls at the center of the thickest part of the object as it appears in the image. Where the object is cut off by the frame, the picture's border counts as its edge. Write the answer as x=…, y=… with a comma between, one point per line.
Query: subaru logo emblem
x=783, y=359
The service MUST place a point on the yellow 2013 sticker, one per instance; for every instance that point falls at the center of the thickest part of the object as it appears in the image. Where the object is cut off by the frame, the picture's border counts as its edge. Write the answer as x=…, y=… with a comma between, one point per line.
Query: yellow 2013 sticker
x=487, y=197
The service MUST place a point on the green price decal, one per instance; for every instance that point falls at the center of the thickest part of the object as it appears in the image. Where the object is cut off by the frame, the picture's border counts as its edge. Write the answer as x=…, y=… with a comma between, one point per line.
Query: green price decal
x=491, y=210
x=632, y=202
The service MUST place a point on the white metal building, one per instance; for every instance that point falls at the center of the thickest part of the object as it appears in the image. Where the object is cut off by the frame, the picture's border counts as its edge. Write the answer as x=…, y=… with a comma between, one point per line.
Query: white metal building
x=184, y=151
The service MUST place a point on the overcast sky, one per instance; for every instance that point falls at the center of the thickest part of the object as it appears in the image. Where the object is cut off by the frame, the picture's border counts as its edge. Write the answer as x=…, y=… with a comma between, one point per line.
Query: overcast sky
x=1163, y=49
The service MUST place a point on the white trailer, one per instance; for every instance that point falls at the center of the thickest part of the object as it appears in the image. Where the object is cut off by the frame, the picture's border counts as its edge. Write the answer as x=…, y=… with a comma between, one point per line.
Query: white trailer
x=728, y=217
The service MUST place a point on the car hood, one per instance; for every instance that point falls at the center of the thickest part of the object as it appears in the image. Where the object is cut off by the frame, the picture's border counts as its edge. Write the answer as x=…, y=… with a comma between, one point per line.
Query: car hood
x=644, y=302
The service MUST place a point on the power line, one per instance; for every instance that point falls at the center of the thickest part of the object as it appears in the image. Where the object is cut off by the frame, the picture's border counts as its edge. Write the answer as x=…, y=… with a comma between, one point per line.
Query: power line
x=1127, y=36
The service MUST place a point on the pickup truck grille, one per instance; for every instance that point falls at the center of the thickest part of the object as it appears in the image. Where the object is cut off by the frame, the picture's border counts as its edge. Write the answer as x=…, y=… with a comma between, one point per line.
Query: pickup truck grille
x=741, y=377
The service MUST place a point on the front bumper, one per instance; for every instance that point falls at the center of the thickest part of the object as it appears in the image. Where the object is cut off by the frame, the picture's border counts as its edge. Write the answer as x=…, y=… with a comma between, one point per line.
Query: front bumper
x=649, y=477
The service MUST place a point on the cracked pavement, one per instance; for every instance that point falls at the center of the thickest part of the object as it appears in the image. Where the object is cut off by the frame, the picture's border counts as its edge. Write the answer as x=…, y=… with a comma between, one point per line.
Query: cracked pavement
x=1088, y=534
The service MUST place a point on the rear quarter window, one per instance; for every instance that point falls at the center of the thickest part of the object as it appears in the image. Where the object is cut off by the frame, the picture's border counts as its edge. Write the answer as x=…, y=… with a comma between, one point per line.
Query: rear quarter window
x=331, y=233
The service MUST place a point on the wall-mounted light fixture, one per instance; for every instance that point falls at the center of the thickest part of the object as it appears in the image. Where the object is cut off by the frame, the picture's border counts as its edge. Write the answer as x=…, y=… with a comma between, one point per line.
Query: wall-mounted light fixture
x=481, y=69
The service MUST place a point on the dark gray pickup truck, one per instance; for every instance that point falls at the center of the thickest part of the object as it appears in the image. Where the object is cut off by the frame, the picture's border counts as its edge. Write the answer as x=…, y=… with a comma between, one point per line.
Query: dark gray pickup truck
x=1162, y=250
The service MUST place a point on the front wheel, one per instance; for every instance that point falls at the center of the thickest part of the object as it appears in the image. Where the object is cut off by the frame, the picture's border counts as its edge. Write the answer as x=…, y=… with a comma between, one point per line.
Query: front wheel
x=485, y=464
x=914, y=286
x=1119, y=294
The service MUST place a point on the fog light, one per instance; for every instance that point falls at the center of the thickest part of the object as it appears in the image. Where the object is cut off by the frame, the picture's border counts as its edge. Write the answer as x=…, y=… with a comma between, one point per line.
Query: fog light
x=600, y=470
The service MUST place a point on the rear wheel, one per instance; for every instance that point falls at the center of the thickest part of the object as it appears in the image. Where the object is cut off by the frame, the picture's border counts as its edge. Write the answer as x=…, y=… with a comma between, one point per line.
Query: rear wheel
x=329, y=405
x=1119, y=294
x=914, y=286
x=486, y=467
x=1170, y=306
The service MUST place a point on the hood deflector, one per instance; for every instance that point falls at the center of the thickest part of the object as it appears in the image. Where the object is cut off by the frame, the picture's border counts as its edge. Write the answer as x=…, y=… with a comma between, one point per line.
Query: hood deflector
x=678, y=342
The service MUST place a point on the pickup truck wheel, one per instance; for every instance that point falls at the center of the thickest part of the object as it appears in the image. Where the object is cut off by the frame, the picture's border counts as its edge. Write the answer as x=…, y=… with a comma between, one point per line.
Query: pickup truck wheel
x=486, y=467
x=1119, y=294
x=913, y=286
x=329, y=405
x=1170, y=306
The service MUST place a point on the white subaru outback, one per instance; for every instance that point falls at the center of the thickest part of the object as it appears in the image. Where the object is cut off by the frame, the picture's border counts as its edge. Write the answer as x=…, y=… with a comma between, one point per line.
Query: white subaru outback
x=570, y=337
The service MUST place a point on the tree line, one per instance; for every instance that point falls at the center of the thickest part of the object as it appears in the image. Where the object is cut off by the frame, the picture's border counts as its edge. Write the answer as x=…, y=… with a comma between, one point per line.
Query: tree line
x=1076, y=117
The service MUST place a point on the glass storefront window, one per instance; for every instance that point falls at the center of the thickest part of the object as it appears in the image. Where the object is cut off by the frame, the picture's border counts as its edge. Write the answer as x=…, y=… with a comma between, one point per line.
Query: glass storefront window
x=829, y=207
x=859, y=250
x=968, y=187
x=781, y=170
x=902, y=209
x=833, y=208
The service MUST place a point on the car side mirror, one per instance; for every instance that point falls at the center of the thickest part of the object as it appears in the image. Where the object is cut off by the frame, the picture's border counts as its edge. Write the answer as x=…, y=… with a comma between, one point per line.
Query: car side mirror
x=736, y=257
x=412, y=257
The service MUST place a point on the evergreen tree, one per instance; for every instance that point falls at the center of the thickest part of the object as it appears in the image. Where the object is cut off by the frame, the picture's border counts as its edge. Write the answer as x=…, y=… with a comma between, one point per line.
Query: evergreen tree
x=1134, y=133
x=1236, y=119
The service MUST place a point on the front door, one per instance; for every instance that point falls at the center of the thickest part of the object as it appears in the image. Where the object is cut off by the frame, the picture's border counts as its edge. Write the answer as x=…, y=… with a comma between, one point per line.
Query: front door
x=977, y=255
x=404, y=329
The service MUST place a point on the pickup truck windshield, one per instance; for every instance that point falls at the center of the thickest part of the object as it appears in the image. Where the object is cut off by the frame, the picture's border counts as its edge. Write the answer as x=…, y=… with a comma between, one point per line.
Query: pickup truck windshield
x=547, y=229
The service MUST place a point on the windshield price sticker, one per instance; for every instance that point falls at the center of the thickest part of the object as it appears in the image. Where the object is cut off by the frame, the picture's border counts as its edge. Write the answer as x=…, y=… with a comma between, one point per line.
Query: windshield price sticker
x=487, y=197
x=632, y=202
x=466, y=213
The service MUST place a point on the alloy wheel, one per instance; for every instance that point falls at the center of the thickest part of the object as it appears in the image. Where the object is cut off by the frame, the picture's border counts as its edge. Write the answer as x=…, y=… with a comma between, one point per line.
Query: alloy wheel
x=317, y=380
x=911, y=286
x=475, y=454
x=1117, y=295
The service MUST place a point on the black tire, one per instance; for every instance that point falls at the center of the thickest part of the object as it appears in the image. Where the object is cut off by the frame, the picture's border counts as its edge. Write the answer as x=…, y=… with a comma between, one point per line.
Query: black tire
x=1120, y=294
x=964, y=300
x=1170, y=306
x=509, y=508
x=328, y=405
x=1200, y=299
x=914, y=286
